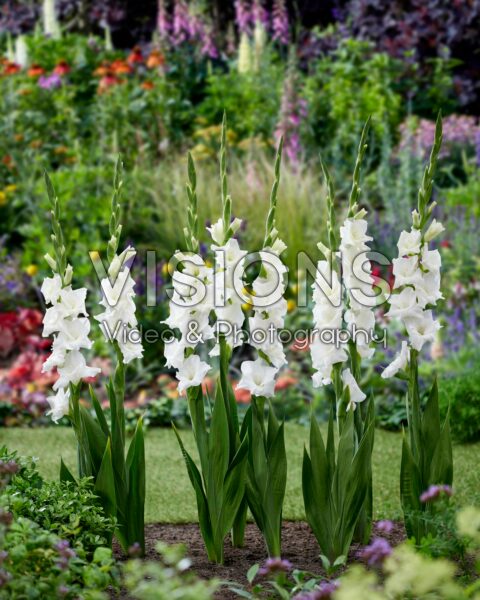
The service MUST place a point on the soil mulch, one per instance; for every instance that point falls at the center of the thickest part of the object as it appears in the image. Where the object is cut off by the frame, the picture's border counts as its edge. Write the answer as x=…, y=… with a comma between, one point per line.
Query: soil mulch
x=298, y=543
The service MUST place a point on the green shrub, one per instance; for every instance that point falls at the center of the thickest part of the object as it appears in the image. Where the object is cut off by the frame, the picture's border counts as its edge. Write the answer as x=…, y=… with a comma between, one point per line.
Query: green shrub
x=462, y=394
x=38, y=564
x=69, y=510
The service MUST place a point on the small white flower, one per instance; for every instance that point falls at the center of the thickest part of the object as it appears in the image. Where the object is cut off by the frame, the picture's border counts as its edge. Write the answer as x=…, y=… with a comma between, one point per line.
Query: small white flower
x=354, y=233
x=59, y=404
x=191, y=373
x=258, y=378
x=73, y=370
x=431, y=259
x=404, y=304
x=356, y=394
x=404, y=270
x=409, y=242
x=399, y=363
x=217, y=232
x=422, y=329
x=174, y=353
x=278, y=247
x=434, y=229
x=51, y=288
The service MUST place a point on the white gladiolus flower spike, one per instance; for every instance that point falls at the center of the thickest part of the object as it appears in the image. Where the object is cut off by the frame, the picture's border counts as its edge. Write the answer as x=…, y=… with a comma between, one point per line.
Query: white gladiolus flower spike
x=409, y=242
x=434, y=229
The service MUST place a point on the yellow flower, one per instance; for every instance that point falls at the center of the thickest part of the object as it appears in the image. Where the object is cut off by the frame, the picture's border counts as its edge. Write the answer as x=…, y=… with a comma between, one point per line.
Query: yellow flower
x=9, y=189
x=246, y=307
x=3, y=198
x=291, y=304
x=31, y=270
x=165, y=271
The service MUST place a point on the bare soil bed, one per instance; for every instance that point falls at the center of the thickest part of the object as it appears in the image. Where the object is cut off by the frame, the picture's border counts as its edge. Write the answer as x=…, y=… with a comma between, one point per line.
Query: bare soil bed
x=298, y=542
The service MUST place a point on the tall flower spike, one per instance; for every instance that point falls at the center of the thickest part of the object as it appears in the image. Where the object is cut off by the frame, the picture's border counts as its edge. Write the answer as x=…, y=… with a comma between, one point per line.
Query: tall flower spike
x=355, y=191
x=66, y=317
x=119, y=322
x=417, y=271
x=267, y=319
x=191, y=231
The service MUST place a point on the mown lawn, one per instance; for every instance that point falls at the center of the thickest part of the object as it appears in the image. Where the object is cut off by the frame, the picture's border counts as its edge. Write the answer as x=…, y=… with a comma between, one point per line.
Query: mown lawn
x=171, y=499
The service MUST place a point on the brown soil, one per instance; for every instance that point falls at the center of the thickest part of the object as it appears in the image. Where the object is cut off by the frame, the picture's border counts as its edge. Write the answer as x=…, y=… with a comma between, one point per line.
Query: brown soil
x=298, y=542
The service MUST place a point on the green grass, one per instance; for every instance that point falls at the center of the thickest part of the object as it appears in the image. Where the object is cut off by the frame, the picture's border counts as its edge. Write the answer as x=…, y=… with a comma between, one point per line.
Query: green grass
x=170, y=497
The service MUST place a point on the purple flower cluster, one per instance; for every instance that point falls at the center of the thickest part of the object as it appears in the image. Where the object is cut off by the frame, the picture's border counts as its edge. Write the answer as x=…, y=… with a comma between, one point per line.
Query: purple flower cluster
x=384, y=526
x=65, y=553
x=186, y=27
x=280, y=24
x=458, y=131
x=50, y=82
x=248, y=14
x=275, y=565
x=324, y=591
x=293, y=111
x=376, y=552
x=434, y=492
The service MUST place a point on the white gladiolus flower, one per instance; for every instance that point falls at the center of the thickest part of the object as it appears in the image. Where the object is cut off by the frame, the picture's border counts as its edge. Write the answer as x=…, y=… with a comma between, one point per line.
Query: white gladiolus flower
x=354, y=233
x=409, y=242
x=217, y=231
x=399, y=363
x=404, y=304
x=258, y=378
x=418, y=279
x=174, y=353
x=51, y=288
x=191, y=373
x=434, y=229
x=422, y=329
x=118, y=321
x=356, y=394
x=73, y=370
x=66, y=317
x=59, y=404
x=404, y=270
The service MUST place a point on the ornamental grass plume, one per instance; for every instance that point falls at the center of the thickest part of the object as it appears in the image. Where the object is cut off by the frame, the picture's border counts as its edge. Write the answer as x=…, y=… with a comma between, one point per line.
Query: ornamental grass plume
x=427, y=448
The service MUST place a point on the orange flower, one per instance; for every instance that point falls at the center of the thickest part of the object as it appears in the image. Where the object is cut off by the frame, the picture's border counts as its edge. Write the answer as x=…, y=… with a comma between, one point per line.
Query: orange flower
x=35, y=70
x=7, y=160
x=36, y=144
x=285, y=382
x=11, y=68
x=156, y=59
x=61, y=150
x=24, y=92
x=242, y=396
x=207, y=385
x=120, y=67
x=147, y=85
x=102, y=70
x=135, y=57
x=18, y=137
x=62, y=68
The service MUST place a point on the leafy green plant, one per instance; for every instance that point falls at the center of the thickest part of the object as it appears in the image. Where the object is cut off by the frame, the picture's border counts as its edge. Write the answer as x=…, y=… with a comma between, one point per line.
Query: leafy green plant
x=220, y=485
x=335, y=487
x=167, y=578
x=459, y=397
x=267, y=472
x=70, y=510
x=39, y=564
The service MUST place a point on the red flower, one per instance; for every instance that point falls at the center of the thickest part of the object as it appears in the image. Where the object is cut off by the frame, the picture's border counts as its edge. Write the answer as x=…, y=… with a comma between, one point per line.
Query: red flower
x=135, y=57
x=11, y=68
x=147, y=85
x=62, y=68
x=242, y=396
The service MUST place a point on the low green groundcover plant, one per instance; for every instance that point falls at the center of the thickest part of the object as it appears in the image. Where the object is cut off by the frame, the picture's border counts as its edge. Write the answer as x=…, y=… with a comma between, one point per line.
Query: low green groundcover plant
x=70, y=510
